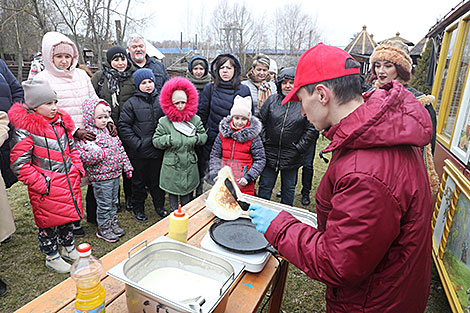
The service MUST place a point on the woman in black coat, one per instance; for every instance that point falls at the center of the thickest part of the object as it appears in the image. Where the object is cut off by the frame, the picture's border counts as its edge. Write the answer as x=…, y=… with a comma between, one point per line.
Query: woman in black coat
x=10, y=91
x=286, y=136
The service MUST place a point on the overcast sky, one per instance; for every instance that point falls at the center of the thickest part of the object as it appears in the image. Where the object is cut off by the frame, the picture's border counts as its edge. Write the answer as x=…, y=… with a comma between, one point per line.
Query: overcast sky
x=338, y=20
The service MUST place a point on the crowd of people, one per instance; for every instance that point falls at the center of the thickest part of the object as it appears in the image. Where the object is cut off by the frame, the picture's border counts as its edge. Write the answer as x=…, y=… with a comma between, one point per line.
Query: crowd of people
x=167, y=135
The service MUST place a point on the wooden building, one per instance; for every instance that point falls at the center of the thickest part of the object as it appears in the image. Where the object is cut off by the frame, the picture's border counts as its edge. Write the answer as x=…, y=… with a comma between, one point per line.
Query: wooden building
x=361, y=48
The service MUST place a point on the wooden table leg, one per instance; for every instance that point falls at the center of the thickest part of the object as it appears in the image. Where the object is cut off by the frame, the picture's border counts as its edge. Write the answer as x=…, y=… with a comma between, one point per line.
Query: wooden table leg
x=277, y=295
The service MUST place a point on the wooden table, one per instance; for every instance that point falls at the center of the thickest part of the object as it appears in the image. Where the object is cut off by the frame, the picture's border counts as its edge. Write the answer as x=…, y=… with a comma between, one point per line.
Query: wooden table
x=246, y=296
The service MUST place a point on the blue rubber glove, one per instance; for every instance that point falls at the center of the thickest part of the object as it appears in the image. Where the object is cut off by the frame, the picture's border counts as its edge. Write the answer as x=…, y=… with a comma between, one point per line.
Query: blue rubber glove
x=261, y=216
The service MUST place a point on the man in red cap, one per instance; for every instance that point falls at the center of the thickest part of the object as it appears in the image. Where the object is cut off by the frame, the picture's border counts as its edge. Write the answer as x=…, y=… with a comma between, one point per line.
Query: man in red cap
x=372, y=246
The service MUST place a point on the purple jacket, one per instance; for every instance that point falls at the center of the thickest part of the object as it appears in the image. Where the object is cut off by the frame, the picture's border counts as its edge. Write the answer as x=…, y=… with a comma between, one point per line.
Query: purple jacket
x=105, y=157
x=372, y=247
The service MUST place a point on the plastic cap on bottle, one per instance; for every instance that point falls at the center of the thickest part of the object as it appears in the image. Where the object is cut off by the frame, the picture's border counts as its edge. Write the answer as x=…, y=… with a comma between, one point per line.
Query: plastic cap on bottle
x=84, y=249
x=179, y=212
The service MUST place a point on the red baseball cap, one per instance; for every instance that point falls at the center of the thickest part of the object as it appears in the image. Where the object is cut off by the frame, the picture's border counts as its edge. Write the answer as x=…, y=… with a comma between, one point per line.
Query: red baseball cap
x=318, y=64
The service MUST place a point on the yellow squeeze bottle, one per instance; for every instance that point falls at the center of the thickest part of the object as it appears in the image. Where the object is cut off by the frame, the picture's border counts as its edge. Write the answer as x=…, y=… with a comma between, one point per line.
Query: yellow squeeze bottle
x=178, y=228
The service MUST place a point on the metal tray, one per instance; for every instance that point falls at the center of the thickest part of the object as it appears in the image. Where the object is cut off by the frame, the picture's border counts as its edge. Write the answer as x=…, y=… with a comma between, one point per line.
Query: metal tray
x=165, y=252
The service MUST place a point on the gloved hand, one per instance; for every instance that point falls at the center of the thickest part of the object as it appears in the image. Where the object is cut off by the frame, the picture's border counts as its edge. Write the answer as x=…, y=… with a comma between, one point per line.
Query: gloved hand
x=80, y=134
x=261, y=216
x=113, y=131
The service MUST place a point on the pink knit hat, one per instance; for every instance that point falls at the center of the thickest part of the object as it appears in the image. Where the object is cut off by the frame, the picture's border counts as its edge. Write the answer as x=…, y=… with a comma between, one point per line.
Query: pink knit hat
x=63, y=48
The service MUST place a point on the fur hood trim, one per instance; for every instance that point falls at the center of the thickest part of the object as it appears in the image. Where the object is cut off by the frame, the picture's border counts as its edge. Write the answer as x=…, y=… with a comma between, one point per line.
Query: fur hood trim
x=250, y=131
x=179, y=83
x=24, y=118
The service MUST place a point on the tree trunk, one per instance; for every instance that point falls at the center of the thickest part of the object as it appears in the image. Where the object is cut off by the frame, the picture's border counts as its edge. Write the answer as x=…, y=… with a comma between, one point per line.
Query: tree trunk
x=19, y=54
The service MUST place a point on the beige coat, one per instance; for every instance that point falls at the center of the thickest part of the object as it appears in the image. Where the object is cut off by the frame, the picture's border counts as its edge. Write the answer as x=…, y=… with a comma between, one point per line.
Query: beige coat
x=7, y=224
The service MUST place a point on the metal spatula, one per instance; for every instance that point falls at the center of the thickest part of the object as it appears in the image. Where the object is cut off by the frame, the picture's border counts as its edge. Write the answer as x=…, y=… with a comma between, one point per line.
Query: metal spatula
x=244, y=205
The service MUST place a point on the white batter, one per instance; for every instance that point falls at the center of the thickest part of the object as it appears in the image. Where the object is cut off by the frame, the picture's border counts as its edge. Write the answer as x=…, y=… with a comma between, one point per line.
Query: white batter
x=179, y=285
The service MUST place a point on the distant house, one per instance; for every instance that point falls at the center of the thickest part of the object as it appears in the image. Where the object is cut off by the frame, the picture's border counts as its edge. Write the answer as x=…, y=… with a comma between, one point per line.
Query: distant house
x=361, y=48
x=398, y=38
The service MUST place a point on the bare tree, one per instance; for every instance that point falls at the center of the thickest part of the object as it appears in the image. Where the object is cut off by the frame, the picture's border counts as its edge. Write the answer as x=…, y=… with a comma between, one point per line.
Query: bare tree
x=72, y=14
x=235, y=30
x=298, y=30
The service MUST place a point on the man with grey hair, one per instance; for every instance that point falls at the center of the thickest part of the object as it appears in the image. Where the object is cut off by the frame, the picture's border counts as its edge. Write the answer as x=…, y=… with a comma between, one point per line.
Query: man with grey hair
x=138, y=55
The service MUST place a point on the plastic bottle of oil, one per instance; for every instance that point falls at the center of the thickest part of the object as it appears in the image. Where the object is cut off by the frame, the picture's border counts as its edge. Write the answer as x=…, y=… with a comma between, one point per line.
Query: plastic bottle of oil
x=178, y=228
x=86, y=271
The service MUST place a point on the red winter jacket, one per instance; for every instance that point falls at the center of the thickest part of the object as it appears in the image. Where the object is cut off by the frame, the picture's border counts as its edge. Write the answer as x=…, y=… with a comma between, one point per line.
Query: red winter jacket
x=242, y=150
x=237, y=155
x=373, y=244
x=44, y=159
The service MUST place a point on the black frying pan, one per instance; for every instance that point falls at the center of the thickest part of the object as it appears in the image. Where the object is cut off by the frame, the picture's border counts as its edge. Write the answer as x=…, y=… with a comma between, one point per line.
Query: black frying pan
x=239, y=235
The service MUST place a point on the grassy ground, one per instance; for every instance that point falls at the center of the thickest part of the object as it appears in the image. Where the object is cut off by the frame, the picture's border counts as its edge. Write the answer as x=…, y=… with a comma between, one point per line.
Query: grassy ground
x=22, y=264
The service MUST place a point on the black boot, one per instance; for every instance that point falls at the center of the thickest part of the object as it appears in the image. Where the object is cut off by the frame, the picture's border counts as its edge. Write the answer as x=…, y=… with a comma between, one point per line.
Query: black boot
x=139, y=216
x=3, y=288
x=305, y=199
x=162, y=212
x=129, y=205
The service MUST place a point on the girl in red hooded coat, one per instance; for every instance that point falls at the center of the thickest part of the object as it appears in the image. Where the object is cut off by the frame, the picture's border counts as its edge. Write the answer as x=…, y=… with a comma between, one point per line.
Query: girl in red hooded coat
x=44, y=158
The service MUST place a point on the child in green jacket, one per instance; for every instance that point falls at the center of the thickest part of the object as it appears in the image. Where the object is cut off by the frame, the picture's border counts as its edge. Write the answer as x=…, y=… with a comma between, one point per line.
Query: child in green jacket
x=178, y=133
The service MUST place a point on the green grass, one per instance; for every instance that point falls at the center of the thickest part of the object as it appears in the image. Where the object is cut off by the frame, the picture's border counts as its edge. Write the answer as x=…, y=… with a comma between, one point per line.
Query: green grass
x=22, y=264
x=460, y=277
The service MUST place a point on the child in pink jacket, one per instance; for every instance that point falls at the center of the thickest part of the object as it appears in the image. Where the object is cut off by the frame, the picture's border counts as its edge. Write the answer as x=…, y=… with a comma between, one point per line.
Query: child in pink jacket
x=104, y=160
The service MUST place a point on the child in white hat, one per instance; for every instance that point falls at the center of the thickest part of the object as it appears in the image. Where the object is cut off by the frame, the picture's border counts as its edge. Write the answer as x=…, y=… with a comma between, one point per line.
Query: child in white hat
x=239, y=145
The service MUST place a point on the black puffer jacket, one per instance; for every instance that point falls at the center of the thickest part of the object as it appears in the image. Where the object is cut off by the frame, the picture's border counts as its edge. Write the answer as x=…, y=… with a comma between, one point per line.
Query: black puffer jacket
x=286, y=133
x=137, y=123
x=10, y=92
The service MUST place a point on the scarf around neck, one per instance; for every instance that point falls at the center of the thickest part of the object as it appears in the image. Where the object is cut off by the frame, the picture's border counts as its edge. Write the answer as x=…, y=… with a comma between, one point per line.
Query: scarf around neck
x=264, y=90
x=199, y=83
x=114, y=77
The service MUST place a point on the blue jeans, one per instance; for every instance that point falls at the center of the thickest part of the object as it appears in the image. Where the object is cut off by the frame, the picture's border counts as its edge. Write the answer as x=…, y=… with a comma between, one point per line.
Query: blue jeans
x=307, y=170
x=107, y=198
x=288, y=181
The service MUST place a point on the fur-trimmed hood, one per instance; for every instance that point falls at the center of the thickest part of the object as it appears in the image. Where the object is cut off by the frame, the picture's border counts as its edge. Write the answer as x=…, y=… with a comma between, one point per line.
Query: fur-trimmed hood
x=250, y=131
x=179, y=83
x=22, y=117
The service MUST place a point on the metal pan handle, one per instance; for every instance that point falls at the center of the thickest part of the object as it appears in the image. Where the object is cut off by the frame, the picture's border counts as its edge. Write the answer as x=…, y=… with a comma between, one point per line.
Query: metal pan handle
x=232, y=276
x=135, y=247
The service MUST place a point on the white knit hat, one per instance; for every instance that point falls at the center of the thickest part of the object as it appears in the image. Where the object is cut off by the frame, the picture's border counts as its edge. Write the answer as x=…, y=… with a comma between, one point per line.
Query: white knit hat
x=102, y=108
x=241, y=107
x=179, y=95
